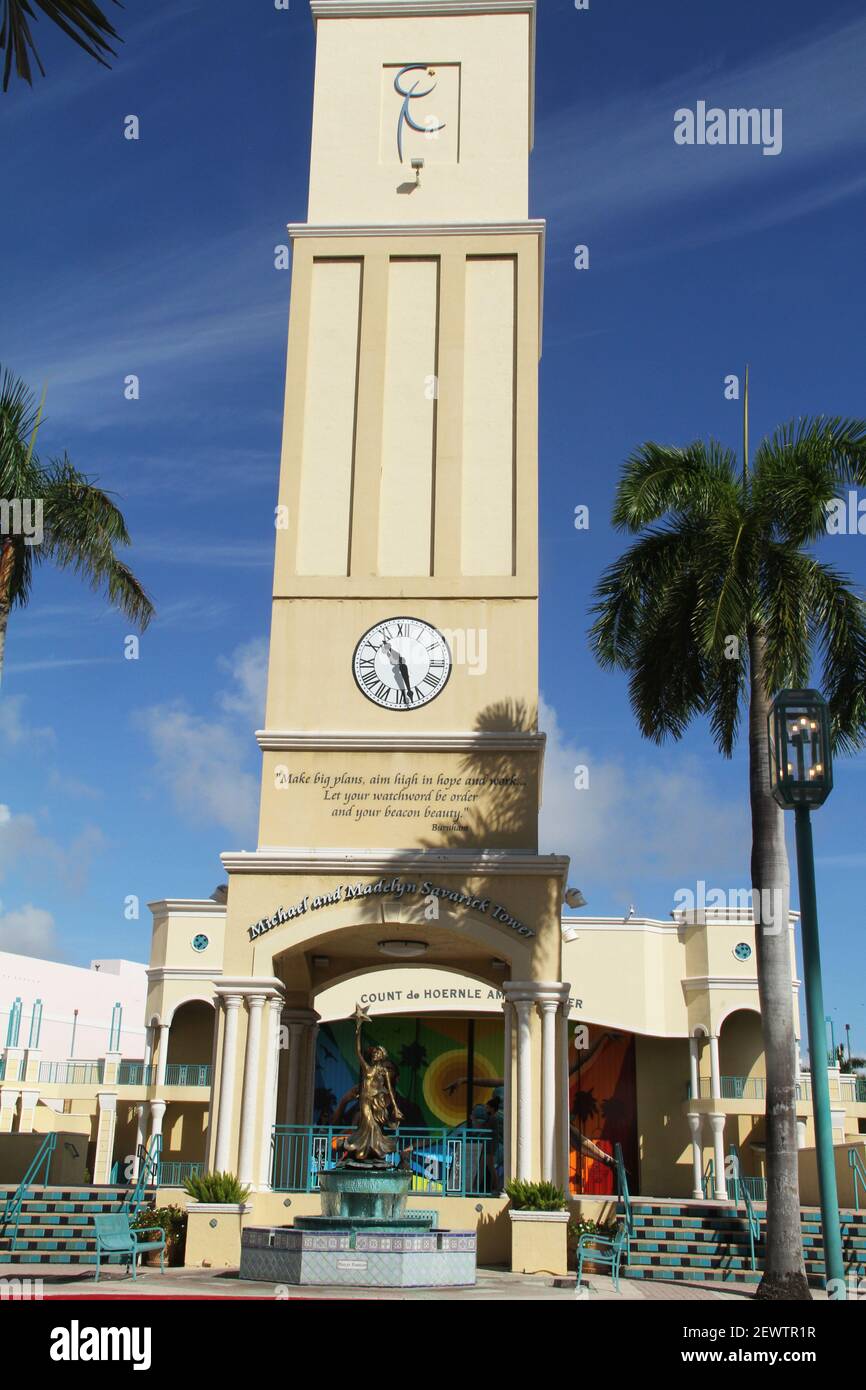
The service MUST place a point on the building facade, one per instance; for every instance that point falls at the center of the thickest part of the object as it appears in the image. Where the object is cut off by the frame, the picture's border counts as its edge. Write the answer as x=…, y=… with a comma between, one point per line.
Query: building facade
x=397, y=862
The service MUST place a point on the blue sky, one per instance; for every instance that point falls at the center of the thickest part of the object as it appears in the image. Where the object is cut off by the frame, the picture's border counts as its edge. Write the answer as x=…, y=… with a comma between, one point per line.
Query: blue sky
x=156, y=257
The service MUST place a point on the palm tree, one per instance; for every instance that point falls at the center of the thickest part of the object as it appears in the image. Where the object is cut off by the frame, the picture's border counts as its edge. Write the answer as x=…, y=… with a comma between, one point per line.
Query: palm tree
x=54, y=512
x=718, y=604
x=82, y=20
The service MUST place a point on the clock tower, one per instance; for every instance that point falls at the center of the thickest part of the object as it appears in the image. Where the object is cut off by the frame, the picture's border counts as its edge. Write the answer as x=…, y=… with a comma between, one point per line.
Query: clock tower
x=401, y=753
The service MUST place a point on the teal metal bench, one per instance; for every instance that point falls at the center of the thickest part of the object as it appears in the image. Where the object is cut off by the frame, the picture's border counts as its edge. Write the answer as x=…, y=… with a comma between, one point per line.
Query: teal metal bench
x=603, y=1250
x=115, y=1236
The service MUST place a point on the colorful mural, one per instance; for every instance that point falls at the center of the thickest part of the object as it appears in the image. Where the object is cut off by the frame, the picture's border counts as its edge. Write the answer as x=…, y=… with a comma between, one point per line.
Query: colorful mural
x=445, y=1066
x=602, y=1107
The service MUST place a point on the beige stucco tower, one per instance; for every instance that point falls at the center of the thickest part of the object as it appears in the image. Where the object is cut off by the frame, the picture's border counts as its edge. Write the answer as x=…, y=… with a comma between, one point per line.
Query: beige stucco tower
x=401, y=754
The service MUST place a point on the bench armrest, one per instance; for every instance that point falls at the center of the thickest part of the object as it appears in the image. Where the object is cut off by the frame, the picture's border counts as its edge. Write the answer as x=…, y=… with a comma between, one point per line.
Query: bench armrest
x=146, y=1231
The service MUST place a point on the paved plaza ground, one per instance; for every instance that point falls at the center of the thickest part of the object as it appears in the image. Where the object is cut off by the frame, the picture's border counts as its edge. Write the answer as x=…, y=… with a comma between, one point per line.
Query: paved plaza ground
x=73, y=1281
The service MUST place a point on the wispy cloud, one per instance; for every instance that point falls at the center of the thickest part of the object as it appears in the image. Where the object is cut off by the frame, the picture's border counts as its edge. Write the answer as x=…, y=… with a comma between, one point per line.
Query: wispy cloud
x=614, y=167
x=202, y=760
x=645, y=823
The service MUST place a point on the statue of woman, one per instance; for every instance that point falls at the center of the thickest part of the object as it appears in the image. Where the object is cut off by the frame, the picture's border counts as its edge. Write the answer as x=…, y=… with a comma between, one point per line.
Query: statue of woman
x=377, y=1104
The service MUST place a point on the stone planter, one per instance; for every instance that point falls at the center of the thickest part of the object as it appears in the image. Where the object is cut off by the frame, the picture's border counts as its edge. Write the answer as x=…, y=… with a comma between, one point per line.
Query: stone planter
x=539, y=1242
x=213, y=1234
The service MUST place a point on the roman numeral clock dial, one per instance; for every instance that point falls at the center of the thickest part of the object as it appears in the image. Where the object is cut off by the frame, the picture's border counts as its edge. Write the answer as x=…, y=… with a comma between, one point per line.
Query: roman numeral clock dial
x=402, y=664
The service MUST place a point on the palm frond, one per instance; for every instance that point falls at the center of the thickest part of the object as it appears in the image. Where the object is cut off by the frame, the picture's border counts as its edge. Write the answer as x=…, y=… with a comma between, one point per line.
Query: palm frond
x=82, y=527
x=643, y=570
x=659, y=479
x=81, y=20
x=801, y=469
x=839, y=615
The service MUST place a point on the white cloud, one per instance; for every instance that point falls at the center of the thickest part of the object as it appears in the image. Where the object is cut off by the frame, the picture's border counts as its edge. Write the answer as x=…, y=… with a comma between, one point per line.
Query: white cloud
x=29, y=931
x=13, y=728
x=22, y=842
x=656, y=822
x=203, y=761
x=249, y=666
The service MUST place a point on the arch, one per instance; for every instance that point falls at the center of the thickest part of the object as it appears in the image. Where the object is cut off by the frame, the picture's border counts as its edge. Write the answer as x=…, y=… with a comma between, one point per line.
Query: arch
x=181, y=1003
x=458, y=939
x=741, y=1044
x=190, y=1037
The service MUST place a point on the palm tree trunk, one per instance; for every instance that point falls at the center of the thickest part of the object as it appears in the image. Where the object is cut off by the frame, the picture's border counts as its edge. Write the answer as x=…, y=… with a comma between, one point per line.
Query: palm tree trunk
x=7, y=561
x=784, y=1272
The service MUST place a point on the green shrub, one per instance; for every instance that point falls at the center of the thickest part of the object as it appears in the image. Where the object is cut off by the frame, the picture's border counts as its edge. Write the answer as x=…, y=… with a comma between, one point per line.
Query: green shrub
x=222, y=1188
x=535, y=1196
x=586, y=1227
x=170, y=1219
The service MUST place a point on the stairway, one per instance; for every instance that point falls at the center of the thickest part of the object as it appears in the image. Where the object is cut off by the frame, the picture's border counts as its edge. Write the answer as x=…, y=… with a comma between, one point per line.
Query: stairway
x=57, y=1223
x=693, y=1242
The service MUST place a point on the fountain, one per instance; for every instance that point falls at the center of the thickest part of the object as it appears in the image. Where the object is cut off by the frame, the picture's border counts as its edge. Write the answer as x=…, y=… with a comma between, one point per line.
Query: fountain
x=365, y=1235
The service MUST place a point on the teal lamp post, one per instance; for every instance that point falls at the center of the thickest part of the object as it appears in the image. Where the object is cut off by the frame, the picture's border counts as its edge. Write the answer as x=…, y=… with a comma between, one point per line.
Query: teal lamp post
x=801, y=776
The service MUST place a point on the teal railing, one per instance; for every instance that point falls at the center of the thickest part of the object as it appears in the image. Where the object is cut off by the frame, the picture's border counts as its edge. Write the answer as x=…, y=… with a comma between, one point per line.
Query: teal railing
x=135, y=1074
x=148, y=1175
x=740, y=1188
x=187, y=1074
x=12, y=1209
x=855, y=1163
x=444, y=1163
x=852, y=1087
x=175, y=1174
x=624, y=1198
x=708, y=1181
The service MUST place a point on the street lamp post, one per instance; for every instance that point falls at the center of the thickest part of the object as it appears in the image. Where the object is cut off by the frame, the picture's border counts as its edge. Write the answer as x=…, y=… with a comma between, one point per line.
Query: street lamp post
x=801, y=776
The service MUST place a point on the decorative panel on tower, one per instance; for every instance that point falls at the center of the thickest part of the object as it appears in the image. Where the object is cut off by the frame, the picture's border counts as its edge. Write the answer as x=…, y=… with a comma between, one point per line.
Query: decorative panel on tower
x=409, y=419
x=488, y=417
x=329, y=418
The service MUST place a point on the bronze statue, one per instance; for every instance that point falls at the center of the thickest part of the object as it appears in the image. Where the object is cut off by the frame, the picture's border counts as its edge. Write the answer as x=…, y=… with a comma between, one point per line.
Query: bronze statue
x=377, y=1104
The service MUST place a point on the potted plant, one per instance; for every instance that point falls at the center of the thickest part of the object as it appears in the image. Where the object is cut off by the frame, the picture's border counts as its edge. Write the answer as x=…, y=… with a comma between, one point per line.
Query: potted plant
x=214, y=1219
x=538, y=1213
x=169, y=1219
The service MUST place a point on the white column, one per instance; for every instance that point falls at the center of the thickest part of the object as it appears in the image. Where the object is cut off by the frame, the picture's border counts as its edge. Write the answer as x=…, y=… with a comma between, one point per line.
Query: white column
x=715, y=1071
x=565, y=1088
x=508, y=1016
x=272, y=1057
x=140, y=1121
x=717, y=1124
x=696, y=1122
x=694, y=1069
x=163, y=1054
x=157, y=1111
x=222, y=1148
x=148, y=1045
x=549, y=1009
x=524, y=1088
x=249, y=1095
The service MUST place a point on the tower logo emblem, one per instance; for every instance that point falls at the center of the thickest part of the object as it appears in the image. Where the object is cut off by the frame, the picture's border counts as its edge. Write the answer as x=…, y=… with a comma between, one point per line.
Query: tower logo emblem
x=410, y=93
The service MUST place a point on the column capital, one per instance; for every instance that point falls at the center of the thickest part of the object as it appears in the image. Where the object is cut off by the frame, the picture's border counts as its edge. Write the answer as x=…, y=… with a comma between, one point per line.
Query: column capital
x=230, y=1001
x=107, y=1100
x=717, y=1120
x=536, y=991
x=256, y=1001
x=157, y=1108
x=9, y=1097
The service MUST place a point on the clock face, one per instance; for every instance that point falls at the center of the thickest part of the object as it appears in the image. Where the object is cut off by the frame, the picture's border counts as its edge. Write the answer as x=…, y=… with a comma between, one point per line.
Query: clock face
x=402, y=663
